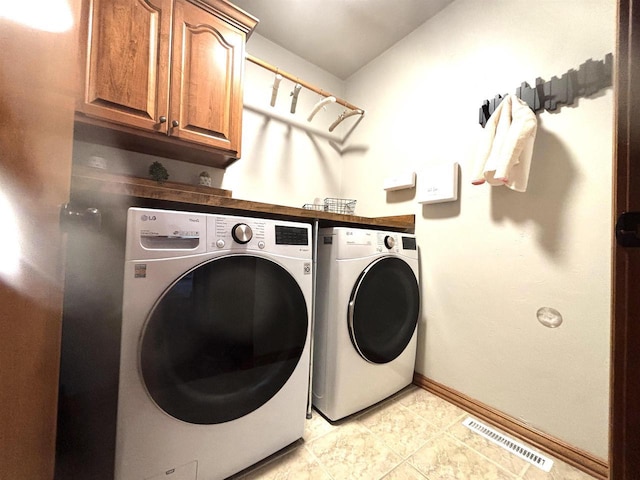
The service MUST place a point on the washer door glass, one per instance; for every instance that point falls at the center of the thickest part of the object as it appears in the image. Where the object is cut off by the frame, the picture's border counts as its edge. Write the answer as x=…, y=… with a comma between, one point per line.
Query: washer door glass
x=223, y=339
x=383, y=310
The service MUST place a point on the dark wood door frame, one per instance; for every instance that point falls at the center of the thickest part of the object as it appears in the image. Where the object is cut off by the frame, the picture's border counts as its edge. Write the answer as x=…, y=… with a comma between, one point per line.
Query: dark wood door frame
x=37, y=81
x=624, y=442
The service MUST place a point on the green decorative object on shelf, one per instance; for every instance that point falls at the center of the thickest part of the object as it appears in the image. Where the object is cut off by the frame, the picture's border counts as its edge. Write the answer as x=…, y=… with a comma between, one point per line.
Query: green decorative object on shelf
x=205, y=179
x=158, y=172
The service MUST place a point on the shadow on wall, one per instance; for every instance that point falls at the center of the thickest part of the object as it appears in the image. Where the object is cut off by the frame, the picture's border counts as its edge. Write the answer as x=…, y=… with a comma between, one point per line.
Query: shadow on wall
x=361, y=149
x=259, y=147
x=551, y=179
x=401, y=196
x=287, y=158
x=324, y=164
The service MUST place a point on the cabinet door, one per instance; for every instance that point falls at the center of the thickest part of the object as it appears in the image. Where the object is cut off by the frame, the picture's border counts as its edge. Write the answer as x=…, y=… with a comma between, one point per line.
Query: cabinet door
x=126, y=58
x=206, y=78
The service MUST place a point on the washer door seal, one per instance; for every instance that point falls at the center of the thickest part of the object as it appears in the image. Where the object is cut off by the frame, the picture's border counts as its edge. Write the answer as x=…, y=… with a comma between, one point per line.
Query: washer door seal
x=383, y=310
x=223, y=339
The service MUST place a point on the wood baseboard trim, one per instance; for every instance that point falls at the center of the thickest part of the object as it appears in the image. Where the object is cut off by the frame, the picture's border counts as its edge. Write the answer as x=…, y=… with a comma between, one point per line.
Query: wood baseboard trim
x=576, y=457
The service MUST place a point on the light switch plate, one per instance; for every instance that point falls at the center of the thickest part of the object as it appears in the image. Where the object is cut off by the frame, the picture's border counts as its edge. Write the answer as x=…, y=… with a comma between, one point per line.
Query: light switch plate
x=438, y=183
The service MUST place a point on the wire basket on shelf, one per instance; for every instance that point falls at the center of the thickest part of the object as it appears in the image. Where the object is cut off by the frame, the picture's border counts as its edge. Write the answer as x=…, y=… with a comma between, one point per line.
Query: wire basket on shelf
x=314, y=206
x=340, y=205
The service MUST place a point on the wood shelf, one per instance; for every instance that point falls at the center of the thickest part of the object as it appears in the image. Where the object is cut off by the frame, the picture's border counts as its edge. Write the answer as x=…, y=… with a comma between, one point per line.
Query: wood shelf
x=92, y=130
x=90, y=185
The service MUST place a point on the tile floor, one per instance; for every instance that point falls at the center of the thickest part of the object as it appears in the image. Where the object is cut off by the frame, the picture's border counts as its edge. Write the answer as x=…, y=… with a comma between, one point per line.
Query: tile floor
x=414, y=435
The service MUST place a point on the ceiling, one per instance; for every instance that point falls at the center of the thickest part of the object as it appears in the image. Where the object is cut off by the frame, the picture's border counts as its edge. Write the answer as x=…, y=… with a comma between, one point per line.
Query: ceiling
x=339, y=36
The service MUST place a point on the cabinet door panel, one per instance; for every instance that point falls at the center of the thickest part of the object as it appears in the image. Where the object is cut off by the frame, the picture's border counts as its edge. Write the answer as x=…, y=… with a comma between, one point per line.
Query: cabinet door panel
x=127, y=57
x=206, y=86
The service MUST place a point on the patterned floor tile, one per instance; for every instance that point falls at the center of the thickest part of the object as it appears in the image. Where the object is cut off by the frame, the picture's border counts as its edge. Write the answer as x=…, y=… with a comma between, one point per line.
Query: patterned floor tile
x=299, y=464
x=399, y=428
x=414, y=435
x=444, y=458
x=432, y=408
x=316, y=427
x=404, y=472
x=353, y=452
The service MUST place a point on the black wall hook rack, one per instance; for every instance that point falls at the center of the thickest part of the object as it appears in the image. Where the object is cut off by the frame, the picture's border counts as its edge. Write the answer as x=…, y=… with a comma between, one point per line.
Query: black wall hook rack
x=590, y=77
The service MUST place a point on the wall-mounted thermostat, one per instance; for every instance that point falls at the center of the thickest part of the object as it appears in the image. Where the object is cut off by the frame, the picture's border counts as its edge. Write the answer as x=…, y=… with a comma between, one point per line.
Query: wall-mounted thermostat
x=438, y=183
x=400, y=181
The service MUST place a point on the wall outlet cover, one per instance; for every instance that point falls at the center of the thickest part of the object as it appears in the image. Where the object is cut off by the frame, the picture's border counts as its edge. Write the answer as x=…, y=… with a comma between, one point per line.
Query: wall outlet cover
x=438, y=183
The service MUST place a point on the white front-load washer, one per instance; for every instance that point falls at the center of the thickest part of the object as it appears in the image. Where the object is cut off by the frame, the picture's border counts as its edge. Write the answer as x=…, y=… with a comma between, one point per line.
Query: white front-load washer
x=214, y=361
x=367, y=307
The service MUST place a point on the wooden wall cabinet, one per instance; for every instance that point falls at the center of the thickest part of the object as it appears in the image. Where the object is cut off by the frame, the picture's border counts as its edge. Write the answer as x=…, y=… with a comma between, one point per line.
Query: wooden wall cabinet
x=164, y=68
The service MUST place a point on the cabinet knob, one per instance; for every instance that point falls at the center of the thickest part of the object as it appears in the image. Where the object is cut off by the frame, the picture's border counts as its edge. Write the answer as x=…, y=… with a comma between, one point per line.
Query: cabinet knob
x=163, y=119
x=175, y=123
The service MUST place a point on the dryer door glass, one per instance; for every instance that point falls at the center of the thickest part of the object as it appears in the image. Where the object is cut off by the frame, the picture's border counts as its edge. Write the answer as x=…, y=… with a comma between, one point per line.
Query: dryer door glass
x=223, y=339
x=383, y=310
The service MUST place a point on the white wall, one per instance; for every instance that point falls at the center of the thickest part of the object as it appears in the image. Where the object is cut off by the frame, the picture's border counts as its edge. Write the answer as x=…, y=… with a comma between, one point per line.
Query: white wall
x=491, y=259
x=281, y=162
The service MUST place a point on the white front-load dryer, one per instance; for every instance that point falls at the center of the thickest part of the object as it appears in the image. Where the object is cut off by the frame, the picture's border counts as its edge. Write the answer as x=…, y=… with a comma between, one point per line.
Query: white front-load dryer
x=367, y=307
x=214, y=361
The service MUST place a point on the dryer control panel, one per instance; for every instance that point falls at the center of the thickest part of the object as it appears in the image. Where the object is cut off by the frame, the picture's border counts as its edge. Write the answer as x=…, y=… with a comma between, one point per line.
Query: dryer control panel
x=395, y=242
x=388, y=242
x=348, y=243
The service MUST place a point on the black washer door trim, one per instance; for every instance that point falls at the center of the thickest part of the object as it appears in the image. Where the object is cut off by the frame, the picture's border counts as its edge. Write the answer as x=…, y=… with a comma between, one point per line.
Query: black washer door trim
x=383, y=310
x=223, y=339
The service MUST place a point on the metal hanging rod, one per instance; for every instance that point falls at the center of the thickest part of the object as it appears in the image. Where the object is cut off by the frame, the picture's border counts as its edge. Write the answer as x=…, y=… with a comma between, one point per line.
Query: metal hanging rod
x=295, y=79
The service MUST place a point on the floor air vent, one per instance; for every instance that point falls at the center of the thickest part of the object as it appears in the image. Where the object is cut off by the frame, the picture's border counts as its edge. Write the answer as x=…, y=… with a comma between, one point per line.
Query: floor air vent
x=513, y=446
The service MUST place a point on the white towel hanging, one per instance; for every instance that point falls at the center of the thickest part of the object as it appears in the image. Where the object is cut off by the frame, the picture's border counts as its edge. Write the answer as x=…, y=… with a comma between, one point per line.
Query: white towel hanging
x=504, y=155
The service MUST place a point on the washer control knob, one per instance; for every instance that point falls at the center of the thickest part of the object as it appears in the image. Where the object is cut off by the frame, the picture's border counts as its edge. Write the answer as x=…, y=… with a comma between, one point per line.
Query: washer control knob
x=389, y=241
x=220, y=243
x=242, y=233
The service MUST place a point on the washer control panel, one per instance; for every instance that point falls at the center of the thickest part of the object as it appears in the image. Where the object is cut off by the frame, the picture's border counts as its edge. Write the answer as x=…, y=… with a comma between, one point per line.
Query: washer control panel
x=245, y=233
x=154, y=233
x=231, y=232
